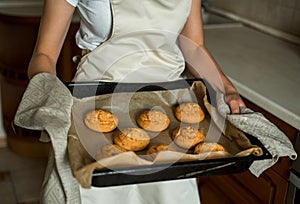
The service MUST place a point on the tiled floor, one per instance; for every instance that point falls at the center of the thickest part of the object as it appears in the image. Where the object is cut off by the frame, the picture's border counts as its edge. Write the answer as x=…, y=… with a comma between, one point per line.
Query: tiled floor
x=20, y=178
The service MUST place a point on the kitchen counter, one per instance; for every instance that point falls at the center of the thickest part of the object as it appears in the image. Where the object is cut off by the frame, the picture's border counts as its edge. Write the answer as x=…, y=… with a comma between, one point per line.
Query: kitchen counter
x=264, y=69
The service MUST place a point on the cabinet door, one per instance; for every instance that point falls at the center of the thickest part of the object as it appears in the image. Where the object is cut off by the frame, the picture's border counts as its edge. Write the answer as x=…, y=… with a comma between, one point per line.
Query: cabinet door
x=243, y=188
x=224, y=190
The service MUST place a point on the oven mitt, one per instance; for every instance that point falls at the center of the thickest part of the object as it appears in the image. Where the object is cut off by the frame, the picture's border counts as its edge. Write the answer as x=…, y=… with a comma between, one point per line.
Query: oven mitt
x=46, y=106
x=254, y=123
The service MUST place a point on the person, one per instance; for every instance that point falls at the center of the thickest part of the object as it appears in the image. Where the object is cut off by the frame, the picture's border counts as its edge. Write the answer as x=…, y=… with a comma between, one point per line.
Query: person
x=163, y=37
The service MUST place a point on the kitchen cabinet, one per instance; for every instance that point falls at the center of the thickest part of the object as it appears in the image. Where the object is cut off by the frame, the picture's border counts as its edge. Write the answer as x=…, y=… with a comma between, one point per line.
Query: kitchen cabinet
x=270, y=187
x=17, y=38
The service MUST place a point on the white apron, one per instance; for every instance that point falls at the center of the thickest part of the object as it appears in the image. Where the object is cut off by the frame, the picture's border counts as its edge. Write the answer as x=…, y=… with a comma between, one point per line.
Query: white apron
x=142, y=48
x=143, y=44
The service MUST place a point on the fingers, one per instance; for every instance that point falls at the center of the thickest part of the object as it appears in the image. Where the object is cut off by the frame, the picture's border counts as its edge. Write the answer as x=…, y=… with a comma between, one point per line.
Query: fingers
x=235, y=102
x=234, y=107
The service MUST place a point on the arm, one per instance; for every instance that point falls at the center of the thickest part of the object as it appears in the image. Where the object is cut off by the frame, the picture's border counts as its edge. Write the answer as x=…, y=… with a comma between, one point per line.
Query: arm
x=54, y=25
x=199, y=61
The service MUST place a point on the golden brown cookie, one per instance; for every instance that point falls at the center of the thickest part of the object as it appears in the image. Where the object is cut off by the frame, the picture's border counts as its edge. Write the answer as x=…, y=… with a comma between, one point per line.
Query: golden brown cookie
x=158, y=148
x=132, y=139
x=101, y=120
x=208, y=147
x=153, y=120
x=189, y=113
x=187, y=136
x=109, y=150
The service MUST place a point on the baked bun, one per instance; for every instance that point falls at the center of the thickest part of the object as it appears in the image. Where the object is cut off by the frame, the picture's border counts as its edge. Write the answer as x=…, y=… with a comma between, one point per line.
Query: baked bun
x=101, y=120
x=155, y=149
x=209, y=147
x=132, y=139
x=187, y=136
x=153, y=120
x=189, y=113
x=109, y=150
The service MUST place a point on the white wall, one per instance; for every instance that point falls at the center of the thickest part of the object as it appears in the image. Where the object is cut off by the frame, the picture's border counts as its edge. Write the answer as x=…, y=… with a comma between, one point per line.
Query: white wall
x=282, y=15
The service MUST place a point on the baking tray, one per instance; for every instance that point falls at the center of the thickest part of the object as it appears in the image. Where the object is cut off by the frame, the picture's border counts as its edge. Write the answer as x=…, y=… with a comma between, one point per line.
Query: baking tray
x=162, y=172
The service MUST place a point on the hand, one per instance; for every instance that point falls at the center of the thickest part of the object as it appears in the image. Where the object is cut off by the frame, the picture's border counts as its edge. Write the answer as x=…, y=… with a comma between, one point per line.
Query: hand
x=234, y=101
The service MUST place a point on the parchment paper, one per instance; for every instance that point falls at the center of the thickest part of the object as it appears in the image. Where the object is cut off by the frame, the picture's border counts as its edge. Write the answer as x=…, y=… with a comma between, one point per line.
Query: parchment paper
x=84, y=143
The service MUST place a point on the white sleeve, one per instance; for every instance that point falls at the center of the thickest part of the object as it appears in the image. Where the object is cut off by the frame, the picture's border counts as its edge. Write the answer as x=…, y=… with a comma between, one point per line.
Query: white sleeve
x=73, y=2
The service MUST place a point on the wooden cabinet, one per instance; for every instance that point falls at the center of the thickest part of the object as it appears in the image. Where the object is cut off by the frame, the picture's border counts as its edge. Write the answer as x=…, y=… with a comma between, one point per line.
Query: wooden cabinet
x=270, y=187
x=17, y=38
x=243, y=188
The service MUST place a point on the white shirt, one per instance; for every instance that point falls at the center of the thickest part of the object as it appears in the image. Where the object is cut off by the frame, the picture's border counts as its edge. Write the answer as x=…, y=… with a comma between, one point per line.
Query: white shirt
x=95, y=24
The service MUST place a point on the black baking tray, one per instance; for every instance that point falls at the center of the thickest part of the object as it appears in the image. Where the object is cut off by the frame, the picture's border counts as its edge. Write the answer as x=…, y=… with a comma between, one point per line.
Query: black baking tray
x=162, y=172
